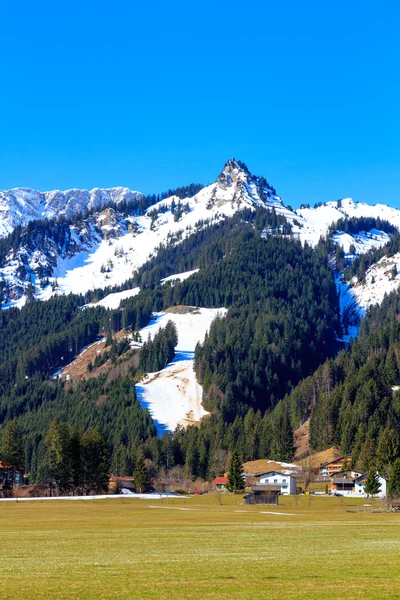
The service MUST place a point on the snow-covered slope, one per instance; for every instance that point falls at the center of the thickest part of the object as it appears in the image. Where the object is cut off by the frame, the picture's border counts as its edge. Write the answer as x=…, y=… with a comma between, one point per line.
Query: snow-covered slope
x=380, y=279
x=173, y=395
x=315, y=222
x=178, y=276
x=21, y=205
x=362, y=241
x=112, y=301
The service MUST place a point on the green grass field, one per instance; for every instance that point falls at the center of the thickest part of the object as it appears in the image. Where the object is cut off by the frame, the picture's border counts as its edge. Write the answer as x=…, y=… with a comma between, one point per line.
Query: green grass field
x=124, y=549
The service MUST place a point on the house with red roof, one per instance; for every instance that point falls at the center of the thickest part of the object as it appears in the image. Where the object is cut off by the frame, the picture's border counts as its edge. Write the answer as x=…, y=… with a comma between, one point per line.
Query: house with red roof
x=220, y=483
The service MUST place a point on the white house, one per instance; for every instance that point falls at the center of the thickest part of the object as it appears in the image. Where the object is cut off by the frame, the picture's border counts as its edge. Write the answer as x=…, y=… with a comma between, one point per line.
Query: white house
x=287, y=483
x=359, y=486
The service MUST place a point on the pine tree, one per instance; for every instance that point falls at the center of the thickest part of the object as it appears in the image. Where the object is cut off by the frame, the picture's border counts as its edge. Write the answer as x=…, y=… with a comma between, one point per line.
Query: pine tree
x=58, y=442
x=372, y=485
x=12, y=455
x=235, y=475
x=12, y=448
x=394, y=479
x=141, y=475
x=366, y=459
x=95, y=461
x=388, y=449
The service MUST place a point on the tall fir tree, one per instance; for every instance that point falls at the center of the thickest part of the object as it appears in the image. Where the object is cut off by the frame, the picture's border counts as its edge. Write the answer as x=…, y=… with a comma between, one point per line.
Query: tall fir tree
x=95, y=460
x=235, y=474
x=141, y=475
x=394, y=479
x=372, y=485
x=12, y=456
x=58, y=442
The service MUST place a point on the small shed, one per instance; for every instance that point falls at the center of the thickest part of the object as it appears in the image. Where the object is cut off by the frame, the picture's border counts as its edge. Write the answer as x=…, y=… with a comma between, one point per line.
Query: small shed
x=220, y=483
x=263, y=494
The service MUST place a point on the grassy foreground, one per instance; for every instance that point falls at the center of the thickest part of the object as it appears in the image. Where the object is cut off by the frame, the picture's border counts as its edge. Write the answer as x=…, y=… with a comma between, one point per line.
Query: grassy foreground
x=126, y=549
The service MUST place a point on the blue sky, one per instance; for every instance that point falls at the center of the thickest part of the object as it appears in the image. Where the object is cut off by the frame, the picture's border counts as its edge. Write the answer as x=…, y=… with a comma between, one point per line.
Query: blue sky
x=152, y=97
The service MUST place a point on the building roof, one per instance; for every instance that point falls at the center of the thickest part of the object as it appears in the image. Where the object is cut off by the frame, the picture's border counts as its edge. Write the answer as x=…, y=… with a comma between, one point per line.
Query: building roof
x=258, y=467
x=220, y=481
x=3, y=466
x=340, y=480
x=266, y=488
x=276, y=473
x=362, y=478
x=332, y=462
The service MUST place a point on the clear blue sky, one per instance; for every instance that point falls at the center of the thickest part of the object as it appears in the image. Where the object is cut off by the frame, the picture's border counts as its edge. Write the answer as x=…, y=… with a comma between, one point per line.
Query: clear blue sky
x=159, y=94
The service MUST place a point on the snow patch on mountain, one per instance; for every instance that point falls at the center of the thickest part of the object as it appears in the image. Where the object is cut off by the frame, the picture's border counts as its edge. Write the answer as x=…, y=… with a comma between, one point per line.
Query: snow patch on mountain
x=173, y=395
x=108, y=249
x=178, y=276
x=361, y=242
x=380, y=279
x=21, y=205
x=112, y=301
x=315, y=222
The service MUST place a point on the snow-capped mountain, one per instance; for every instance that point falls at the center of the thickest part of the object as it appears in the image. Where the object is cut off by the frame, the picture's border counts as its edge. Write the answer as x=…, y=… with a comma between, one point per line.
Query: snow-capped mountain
x=21, y=205
x=107, y=248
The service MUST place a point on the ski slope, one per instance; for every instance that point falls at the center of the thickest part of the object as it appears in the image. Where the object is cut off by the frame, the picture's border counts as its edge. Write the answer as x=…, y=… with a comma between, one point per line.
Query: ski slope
x=173, y=396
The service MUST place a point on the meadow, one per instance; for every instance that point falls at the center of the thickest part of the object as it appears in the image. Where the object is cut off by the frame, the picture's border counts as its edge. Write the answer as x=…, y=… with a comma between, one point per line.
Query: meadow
x=196, y=548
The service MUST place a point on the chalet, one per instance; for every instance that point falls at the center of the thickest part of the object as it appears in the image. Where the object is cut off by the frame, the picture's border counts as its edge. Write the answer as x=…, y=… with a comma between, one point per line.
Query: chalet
x=263, y=494
x=118, y=483
x=342, y=484
x=332, y=467
x=286, y=483
x=355, y=486
x=359, y=486
x=220, y=483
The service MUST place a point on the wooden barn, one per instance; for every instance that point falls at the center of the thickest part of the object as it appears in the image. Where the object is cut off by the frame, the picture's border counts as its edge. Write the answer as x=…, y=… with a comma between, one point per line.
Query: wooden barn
x=263, y=494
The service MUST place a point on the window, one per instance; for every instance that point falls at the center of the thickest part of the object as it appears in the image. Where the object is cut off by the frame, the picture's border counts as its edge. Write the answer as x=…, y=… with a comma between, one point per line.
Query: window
x=275, y=481
x=283, y=480
x=284, y=487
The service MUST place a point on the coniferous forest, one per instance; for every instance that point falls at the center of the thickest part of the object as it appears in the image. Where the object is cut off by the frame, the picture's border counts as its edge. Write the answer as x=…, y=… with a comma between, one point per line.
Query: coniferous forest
x=269, y=365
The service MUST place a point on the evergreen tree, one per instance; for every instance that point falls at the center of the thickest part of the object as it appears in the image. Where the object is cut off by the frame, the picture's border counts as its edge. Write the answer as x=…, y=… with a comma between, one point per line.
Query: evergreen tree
x=12, y=448
x=387, y=450
x=58, y=442
x=372, y=485
x=12, y=456
x=366, y=460
x=95, y=461
x=394, y=479
x=235, y=474
x=141, y=475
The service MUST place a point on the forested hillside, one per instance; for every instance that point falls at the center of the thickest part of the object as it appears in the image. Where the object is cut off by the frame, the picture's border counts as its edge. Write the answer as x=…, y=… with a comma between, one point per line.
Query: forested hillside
x=268, y=365
x=351, y=398
x=283, y=317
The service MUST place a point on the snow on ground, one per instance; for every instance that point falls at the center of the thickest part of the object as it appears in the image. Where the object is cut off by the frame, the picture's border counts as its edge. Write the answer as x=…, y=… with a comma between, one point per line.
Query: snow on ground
x=316, y=221
x=362, y=241
x=179, y=276
x=112, y=301
x=348, y=302
x=379, y=281
x=173, y=395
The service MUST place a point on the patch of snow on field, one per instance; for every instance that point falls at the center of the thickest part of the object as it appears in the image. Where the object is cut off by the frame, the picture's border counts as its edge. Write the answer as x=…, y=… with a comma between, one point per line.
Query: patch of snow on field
x=173, y=395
